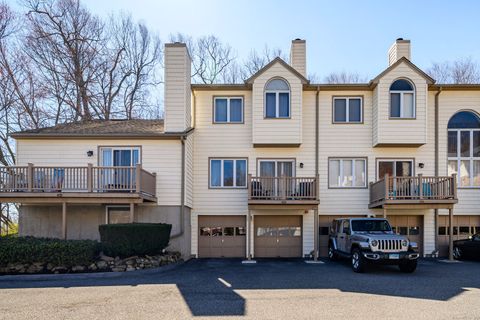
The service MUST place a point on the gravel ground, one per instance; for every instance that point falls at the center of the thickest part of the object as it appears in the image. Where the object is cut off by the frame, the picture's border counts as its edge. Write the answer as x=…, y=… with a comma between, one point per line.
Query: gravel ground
x=270, y=289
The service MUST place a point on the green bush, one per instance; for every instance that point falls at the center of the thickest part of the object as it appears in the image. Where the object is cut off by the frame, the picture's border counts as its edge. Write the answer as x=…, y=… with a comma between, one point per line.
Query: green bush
x=132, y=239
x=67, y=253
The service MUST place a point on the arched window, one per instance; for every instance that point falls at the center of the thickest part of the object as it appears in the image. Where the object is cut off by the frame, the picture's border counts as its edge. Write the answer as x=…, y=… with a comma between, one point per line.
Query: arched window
x=464, y=148
x=402, y=99
x=277, y=99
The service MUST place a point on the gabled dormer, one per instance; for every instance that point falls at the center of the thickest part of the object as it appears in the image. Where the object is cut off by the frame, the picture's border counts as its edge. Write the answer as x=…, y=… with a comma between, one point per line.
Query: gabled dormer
x=277, y=100
x=400, y=101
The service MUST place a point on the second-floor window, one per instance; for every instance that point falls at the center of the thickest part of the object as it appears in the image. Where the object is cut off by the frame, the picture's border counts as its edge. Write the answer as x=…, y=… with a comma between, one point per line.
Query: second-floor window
x=277, y=99
x=402, y=100
x=347, y=173
x=464, y=148
x=228, y=110
x=228, y=173
x=347, y=110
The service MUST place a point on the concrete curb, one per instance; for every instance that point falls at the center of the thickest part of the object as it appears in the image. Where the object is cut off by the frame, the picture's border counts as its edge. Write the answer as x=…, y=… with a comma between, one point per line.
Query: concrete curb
x=90, y=275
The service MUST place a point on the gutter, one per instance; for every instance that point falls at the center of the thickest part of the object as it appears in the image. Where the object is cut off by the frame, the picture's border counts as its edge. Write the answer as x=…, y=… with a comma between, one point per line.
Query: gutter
x=437, y=157
x=315, y=212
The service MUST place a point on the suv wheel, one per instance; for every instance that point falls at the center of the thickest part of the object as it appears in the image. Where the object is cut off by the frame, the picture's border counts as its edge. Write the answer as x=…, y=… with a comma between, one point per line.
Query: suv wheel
x=408, y=266
x=457, y=253
x=331, y=252
x=358, y=262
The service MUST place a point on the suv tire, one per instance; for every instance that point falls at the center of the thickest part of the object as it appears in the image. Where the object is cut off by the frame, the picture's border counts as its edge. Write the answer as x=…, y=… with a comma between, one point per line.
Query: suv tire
x=457, y=253
x=332, y=255
x=408, y=266
x=358, y=261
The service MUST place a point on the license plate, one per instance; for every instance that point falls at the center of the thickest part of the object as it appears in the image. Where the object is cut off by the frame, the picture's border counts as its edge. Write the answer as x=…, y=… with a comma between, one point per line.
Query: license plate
x=394, y=256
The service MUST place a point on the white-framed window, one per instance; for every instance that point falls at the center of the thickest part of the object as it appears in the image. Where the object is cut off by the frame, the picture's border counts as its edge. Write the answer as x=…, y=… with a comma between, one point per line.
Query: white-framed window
x=395, y=168
x=276, y=167
x=347, y=110
x=228, y=109
x=277, y=99
x=402, y=99
x=464, y=149
x=119, y=156
x=347, y=173
x=228, y=173
x=117, y=214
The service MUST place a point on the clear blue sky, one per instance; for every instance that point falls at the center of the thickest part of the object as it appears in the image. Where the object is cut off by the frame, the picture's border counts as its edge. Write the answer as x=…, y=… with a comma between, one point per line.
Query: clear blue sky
x=341, y=35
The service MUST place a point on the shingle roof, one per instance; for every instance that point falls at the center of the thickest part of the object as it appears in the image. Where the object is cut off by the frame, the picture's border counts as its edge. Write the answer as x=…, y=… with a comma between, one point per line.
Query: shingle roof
x=100, y=128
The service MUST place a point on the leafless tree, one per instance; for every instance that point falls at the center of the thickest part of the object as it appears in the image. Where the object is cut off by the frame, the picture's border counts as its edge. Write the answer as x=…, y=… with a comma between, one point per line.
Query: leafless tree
x=344, y=77
x=257, y=60
x=461, y=71
x=212, y=60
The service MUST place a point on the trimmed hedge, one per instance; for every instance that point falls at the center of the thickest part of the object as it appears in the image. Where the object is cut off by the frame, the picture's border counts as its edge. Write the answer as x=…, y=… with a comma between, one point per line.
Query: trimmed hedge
x=67, y=253
x=132, y=239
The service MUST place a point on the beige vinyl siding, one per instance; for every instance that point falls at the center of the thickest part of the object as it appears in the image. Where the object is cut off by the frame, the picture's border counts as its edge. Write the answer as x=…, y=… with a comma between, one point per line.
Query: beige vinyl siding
x=451, y=102
x=401, y=131
x=177, y=89
x=355, y=140
x=277, y=131
x=160, y=156
x=235, y=141
x=189, y=170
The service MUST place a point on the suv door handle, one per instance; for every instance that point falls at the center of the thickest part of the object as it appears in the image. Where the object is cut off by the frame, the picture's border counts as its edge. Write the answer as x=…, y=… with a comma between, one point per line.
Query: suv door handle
x=342, y=237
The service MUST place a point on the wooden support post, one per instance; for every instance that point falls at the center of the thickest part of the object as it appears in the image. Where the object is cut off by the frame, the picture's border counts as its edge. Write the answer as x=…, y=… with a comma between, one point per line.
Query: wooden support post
x=420, y=186
x=315, y=235
x=384, y=212
x=454, y=185
x=387, y=187
x=90, y=177
x=249, y=255
x=132, y=212
x=450, y=238
x=138, y=178
x=30, y=177
x=249, y=186
x=64, y=220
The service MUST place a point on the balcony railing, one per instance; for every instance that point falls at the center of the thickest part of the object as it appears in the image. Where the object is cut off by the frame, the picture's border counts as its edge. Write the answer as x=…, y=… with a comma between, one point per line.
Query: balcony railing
x=282, y=189
x=419, y=188
x=88, y=179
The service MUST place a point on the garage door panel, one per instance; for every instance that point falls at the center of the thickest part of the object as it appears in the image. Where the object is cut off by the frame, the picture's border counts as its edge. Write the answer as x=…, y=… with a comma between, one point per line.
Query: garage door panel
x=226, y=238
x=278, y=236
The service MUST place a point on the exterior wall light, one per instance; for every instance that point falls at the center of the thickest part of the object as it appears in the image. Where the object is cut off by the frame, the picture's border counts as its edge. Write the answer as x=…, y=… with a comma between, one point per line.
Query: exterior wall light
x=421, y=165
x=301, y=165
x=90, y=153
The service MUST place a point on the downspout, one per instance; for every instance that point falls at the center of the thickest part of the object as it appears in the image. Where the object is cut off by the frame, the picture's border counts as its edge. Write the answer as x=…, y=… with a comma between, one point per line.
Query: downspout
x=316, y=217
x=182, y=192
x=437, y=159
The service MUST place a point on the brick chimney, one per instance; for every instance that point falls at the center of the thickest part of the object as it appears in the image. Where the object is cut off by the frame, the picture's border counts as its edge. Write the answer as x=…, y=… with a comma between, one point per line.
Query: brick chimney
x=298, y=56
x=177, y=87
x=400, y=48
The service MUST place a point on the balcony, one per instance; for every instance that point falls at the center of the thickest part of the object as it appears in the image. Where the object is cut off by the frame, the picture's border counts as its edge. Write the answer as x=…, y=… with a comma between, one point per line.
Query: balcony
x=414, y=192
x=282, y=190
x=88, y=184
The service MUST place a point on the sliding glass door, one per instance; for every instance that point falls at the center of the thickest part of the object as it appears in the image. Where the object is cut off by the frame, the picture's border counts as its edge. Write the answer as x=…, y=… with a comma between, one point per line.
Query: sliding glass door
x=118, y=172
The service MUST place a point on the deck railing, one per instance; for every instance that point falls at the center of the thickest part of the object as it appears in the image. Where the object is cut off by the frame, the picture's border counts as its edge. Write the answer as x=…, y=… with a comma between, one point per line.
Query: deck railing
x=282, y=188
x=413, y=188
x=90, y=179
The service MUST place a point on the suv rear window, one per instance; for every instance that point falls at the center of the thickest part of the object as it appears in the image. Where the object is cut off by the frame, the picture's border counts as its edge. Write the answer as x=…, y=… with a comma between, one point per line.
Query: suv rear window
x=370, y=225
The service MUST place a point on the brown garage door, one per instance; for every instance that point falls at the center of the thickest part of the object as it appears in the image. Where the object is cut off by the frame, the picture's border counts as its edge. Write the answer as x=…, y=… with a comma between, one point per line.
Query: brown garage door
x=278, y=236
x=221, y=236
x=410, y=226
x=463, y=227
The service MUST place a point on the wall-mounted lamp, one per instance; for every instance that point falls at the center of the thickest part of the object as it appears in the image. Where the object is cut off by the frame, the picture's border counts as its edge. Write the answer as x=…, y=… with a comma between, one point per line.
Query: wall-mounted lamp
x=90, y=153
x=301, y=165
x=421, y=165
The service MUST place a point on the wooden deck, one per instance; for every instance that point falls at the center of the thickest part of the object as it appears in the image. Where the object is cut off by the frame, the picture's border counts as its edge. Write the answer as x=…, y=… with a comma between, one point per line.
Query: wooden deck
x=290, y=191
x=414, y=192
x=88, y=184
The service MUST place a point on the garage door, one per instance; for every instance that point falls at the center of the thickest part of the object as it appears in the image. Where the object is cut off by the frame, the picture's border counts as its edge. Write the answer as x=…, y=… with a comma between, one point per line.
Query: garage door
x=463, y=227
x=278, y=236
x=221, y=236
x=410, y=226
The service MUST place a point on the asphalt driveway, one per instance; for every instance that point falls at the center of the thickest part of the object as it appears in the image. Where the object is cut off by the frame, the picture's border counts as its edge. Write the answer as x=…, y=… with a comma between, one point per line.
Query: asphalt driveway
x=270, y=289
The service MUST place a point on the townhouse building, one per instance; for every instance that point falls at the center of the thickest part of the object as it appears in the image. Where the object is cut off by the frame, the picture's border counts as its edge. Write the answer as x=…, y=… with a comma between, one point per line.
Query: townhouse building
x=260, y=169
